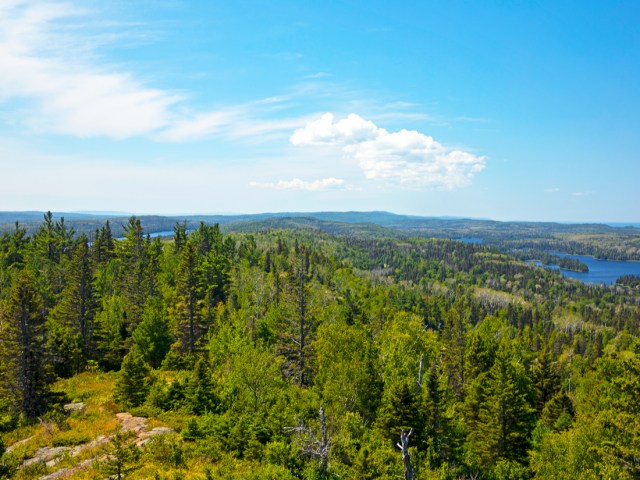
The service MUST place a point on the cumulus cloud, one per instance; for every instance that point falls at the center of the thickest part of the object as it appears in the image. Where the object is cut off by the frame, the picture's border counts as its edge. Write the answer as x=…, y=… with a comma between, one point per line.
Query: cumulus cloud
x=297, y=184
x=406, y=158
x=325, y=131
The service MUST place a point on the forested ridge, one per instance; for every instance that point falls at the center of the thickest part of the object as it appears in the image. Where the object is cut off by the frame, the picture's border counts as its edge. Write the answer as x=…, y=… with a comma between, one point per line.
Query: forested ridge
x=299, y=353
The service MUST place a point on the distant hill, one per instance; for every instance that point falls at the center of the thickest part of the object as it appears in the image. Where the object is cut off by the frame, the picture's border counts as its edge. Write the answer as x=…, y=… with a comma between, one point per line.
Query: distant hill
x=588, y=238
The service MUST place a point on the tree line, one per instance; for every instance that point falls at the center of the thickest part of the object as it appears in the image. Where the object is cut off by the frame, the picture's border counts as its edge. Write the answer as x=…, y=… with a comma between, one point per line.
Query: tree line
x=426, y=358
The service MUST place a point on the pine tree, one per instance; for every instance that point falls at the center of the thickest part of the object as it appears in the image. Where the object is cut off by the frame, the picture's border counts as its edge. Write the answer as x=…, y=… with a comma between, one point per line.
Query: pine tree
x=179, y=236
x=72, y=320
x=123, y=456
x=103, y=246
x=132, y=386
x=559, y=412
x=298, y=324
x=545, y=379
x=200, y=394
x=454, y=336
x=25, y=373
x=153, y=336
x=14, y=247
x=111, y=332
x=398, y=412
x=499, y=413
x=132, y=252
x=187, y=311
x=438, y=437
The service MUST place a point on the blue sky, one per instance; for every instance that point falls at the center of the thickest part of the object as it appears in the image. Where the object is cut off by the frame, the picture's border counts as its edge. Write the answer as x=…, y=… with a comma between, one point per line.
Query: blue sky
x=495, y=109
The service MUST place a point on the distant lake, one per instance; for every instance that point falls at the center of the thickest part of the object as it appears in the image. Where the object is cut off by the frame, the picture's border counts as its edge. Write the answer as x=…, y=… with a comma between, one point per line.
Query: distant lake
x=600, y=271
x=469, y=240
x=163, y=233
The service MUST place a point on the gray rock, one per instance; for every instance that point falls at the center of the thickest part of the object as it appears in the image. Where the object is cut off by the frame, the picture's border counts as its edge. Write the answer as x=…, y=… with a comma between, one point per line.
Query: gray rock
x=78, y=407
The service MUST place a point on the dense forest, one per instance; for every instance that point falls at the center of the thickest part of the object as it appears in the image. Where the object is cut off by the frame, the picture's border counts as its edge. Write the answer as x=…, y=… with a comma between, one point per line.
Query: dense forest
x=284, y=353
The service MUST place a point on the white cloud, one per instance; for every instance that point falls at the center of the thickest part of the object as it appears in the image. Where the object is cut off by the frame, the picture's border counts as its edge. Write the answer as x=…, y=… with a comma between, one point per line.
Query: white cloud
x=552, y=190
x=297, y=184
x=51, y=66
x=199, y=126
x=581, y=194
x=353, y=128
x=406, y=158
x=65, y=92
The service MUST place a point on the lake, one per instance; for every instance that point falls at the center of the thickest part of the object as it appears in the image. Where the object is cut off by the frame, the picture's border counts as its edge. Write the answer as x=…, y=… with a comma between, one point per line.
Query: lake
x=600, y=271
x=469, y=240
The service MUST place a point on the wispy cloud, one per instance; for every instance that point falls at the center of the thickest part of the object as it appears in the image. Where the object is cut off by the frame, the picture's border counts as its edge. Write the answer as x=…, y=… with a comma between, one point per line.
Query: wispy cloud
x=318, y=75
x=50, y=65
x=406, y=158
x=552, y=190
x=63, y=90
x=581, y=194
x=297, y=184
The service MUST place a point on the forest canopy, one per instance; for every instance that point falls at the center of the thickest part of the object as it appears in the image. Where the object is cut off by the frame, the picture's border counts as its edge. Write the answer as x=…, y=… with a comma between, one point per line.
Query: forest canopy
x=297, y=353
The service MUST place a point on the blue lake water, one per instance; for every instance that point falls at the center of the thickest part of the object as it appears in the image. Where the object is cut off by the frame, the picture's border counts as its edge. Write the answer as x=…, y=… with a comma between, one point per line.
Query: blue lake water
x=469, y=240
x=601, y=271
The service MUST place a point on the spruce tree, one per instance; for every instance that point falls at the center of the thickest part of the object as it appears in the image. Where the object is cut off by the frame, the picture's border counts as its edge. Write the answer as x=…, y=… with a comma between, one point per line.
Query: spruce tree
x=72, y=319
x=24, y=359
x=133, y=254
x=103, y=245
x=454, y=336
x=153, y=336
x=123, y=456
x=132, y=386
x=438, y=438
x=398, y=412
x=499, y=413
x=187, y=311
x=200, y=394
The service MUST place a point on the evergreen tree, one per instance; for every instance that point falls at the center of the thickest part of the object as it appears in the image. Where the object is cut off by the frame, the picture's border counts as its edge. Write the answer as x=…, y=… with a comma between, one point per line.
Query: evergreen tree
x=132, y=386
x=153, y=336
x=454, y=336
x=186, y=309
x=103, y=246
x=72, y=320
x=438, y=438
x=545, y=379
x=134, y=281
x=13, y=248
x=179, y=236
x=298, y=324
x=112, y=335
x=24, y=360
x=123, y=456
x=499, y=413
x=200, y=394
x=398, y=412
x=559, y=412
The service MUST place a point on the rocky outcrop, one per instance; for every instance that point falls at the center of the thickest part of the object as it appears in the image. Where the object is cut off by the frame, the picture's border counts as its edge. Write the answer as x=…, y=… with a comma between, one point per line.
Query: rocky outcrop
x=50, y=456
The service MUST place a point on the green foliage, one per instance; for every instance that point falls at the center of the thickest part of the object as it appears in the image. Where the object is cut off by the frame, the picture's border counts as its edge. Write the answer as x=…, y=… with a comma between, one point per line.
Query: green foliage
x=123, y=456
x=200, y=392
x=499, y=414
x=152, y=336
x=254, y=332
x=25, y=375
x=398, y=412
x=132, y=386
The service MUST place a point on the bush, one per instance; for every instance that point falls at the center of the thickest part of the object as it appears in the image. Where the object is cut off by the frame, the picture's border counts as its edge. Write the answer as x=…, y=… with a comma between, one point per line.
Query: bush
x=70, y=439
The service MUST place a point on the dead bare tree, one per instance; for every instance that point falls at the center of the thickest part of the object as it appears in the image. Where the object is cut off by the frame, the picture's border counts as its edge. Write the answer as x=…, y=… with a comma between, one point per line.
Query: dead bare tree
x=312, y=446
x=419, y=381
x=406, y=457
